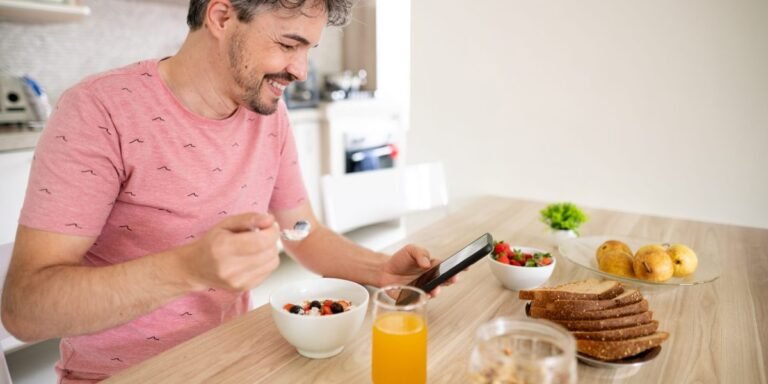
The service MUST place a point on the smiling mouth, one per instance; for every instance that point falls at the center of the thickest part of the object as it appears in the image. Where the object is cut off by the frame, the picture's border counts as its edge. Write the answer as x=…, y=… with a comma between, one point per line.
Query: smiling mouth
x=277, y=87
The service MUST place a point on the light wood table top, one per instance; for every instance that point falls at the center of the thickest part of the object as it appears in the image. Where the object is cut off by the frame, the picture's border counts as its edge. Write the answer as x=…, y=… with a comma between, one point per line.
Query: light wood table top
x=719, y=330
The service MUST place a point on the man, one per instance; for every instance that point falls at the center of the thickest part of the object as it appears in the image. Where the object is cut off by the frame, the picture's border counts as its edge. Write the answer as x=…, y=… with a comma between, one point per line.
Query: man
x=157, y=190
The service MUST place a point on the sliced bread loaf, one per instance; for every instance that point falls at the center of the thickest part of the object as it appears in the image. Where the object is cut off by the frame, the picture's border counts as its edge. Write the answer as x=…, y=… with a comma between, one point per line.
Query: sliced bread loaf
x=608, y=322
x=619, y=349
x=590, y=289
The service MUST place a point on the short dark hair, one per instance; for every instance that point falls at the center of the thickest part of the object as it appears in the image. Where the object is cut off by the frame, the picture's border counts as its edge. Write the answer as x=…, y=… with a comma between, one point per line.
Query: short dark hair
x=337, y=10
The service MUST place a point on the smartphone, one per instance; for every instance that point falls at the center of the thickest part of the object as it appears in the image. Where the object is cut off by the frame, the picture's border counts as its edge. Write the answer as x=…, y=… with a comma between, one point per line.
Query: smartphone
x=449, y=267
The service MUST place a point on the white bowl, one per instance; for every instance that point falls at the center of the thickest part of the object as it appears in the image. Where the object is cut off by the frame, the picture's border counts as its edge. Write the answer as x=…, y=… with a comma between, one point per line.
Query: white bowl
x=519, y=278
x=319, y=337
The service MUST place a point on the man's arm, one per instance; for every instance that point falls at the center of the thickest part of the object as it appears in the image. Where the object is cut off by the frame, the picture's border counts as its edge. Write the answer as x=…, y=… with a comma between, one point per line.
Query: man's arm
x=48, y=293
x=332, y=255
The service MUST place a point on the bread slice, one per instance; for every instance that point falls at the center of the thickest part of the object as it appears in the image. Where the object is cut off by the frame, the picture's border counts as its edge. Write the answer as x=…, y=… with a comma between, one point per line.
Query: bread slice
x=590, y=289
x=619, y=349
x=604, y=324
x=619, y=333
x=628, y=297
x=631, y=309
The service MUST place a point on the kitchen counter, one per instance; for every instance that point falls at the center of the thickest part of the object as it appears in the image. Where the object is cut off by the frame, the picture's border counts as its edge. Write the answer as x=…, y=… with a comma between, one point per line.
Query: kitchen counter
x=718, y=331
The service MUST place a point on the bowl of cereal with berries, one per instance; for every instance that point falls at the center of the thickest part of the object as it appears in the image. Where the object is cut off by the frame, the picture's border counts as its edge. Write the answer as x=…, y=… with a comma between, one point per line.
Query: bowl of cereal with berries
x=319, y=316
x=519, y=267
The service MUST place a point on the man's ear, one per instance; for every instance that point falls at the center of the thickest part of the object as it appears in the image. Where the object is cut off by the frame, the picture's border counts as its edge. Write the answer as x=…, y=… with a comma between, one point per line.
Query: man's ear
x=217, y=15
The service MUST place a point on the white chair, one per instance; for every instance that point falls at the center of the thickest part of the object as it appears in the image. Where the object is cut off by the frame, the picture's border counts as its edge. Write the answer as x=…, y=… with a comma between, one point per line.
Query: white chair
x=356, y=200
x=5, y=260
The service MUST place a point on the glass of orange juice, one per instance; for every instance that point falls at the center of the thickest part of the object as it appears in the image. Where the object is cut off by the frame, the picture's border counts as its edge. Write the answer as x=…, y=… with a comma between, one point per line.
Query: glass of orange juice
x=399, y=336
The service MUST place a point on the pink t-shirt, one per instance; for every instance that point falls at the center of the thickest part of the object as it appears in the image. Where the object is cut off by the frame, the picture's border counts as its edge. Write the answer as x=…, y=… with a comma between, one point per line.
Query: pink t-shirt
x=122, y=160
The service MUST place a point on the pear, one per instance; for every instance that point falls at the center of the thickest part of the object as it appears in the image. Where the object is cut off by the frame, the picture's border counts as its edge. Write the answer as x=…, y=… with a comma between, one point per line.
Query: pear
x=617, y=262
x=683, y=259
x=650, y=248
x=609, y=246
x=653, y=264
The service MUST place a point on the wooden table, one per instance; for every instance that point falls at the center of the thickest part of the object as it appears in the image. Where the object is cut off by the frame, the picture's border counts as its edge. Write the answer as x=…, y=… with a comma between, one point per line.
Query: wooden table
x=718, y=330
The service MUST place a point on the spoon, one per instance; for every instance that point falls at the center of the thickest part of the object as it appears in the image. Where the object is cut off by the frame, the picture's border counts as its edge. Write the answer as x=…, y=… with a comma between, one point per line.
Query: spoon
x=299, y=232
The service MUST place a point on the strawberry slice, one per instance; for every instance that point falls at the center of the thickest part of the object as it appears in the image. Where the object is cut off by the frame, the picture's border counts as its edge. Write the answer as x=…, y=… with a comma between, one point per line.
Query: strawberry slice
x=500, y=247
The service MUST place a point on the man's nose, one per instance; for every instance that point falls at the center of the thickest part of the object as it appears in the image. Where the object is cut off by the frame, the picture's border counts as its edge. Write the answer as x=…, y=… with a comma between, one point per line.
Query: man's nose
x=298, y=67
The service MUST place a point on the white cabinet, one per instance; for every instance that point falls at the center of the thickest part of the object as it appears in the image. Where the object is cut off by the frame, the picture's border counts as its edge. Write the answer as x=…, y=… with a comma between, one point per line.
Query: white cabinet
x=14, y=173
x=306, y=132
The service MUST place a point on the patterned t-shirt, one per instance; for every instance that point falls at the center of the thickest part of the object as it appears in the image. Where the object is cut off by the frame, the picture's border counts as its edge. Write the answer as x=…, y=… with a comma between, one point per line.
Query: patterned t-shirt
x=122, y=160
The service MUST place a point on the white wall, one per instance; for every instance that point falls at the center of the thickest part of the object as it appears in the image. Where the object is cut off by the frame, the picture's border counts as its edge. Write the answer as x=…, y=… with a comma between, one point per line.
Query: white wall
x=651, y=106
x=393, y=51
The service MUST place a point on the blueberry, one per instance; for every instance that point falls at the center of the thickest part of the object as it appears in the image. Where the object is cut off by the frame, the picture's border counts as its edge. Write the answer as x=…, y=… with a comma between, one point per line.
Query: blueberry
x=315, y=304
x=295, y=309
x=336, y=307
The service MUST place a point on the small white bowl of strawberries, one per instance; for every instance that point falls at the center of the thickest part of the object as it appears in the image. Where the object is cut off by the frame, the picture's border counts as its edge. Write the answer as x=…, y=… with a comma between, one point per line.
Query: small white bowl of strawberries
x=519, y=267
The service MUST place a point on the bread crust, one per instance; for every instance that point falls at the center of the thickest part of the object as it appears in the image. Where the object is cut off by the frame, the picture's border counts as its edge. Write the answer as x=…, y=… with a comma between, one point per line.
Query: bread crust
x=629, y=296
x=619, y=333
x=619, y=349
x=590, y=289
x=630, y=309
x=603, y=324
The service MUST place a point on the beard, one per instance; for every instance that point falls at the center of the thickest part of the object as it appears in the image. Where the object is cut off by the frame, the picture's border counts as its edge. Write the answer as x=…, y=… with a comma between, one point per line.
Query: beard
x=251, y=97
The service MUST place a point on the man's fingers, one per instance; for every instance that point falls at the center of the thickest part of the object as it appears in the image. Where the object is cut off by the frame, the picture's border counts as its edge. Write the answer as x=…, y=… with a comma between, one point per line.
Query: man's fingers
x=247, y=222
x=248, y=243
x=265, y=221
x=420, y=256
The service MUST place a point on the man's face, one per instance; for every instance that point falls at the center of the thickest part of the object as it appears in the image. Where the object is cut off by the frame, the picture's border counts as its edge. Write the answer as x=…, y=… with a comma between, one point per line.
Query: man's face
x=270, y=51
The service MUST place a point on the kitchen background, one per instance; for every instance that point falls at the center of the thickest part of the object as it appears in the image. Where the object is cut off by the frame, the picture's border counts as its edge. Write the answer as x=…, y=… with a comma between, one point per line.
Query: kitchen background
x=657, y=107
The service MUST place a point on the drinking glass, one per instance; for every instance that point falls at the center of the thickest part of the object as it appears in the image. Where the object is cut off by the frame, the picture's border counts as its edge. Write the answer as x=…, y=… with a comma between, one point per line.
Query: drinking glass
x=523, y=351
x=399, y=336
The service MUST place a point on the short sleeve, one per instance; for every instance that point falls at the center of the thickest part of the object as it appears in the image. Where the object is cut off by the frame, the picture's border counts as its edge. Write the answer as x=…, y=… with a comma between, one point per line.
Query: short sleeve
x=289, y=191
x=77, y=168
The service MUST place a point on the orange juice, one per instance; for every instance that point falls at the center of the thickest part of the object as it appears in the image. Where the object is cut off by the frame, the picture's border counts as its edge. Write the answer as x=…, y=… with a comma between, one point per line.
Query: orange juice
x=399, y=349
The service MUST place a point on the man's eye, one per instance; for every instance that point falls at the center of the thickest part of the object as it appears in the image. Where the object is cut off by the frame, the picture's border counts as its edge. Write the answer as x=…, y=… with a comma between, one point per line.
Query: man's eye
x=287, y=47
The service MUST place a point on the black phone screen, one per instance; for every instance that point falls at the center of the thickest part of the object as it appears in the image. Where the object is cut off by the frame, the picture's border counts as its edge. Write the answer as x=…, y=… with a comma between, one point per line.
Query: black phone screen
x=459, y=261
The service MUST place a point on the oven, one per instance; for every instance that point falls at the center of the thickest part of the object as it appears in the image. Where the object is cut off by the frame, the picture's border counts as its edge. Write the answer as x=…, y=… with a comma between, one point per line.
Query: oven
x=369, y=151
